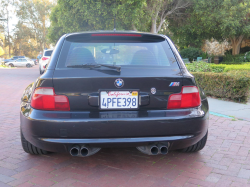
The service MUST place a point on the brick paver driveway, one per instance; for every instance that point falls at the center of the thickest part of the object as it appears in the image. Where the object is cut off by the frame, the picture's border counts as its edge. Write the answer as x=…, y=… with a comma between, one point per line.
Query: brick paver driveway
x=225, y=161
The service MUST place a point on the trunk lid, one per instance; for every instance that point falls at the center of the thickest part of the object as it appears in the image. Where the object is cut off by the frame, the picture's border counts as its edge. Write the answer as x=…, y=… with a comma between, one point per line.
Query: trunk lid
x=83, y=86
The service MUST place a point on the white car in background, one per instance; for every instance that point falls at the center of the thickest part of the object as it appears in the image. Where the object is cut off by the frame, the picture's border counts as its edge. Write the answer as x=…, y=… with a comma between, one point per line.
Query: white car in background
x=21, y=62
x=44, y=60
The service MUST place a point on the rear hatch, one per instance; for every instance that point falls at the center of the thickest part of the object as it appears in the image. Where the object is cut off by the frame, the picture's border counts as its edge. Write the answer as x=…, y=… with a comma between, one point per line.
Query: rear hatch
x=46, y=56
x=148, y=71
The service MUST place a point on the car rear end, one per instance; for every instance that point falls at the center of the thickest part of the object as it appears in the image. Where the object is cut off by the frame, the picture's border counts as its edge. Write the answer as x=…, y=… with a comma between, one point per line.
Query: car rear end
x=45, y=59
x=152, y=100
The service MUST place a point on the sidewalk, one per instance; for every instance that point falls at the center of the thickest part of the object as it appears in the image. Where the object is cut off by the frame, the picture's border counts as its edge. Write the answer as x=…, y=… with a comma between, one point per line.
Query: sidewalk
x=236, y=110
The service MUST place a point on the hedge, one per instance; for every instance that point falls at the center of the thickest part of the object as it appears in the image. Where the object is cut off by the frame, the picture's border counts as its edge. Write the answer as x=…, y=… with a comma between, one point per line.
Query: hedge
x=224, y=85
x=216, y=68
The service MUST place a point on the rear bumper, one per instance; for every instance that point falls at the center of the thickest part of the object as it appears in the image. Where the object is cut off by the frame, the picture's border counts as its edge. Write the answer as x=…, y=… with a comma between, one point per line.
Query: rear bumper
x=58, y=131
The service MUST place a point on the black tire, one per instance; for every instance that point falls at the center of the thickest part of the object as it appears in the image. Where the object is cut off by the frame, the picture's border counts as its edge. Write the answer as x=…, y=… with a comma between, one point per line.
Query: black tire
x=28, y=65
x=11, y=65
x=41, y=72
x=31, y=149
x=196, y=147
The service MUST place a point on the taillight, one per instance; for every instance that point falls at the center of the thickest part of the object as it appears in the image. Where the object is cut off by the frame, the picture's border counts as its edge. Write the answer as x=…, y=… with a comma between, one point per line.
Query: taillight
x=45, y=58
x=188, y=98
x=44, y=98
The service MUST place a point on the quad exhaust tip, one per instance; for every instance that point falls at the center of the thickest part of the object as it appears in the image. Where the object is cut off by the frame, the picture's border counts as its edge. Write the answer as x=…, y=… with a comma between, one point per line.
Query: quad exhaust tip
x=164, y=150
x=74, y=151
x=83, y=151
x=154, y=149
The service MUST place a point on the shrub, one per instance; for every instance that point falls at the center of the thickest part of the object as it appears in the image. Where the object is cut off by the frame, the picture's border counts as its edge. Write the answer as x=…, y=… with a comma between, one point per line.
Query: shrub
x=233, y=59
x=191, y=53
x=224, y=85
x=243, y=50
x=216, y=68
x=245, y=73
x=247, y=56
x=245, y=67
x=199, y=67
x=205, y=67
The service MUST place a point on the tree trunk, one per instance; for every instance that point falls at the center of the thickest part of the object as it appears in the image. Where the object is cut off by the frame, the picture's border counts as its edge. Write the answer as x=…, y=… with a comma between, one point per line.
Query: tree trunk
x=153, y=26
x=236, y=43
x=134, y=28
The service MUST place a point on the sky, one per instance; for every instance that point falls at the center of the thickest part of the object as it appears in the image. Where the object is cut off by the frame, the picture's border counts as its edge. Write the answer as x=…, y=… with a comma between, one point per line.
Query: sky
x=13, y=19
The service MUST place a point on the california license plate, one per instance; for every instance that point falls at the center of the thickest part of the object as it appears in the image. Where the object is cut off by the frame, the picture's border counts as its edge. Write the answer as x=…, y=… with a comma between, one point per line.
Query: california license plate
x=119, y=99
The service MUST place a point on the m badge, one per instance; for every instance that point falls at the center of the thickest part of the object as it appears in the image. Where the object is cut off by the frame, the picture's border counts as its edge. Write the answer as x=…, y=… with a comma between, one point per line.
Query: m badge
x=174, y=84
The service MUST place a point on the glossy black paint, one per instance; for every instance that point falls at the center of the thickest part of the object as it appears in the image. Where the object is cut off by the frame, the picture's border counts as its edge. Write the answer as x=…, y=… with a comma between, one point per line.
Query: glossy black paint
x=85, y=123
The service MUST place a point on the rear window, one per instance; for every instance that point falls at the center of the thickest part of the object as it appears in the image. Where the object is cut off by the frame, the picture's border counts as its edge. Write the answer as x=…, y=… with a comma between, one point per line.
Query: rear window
x=47, y=53
x=117, y=51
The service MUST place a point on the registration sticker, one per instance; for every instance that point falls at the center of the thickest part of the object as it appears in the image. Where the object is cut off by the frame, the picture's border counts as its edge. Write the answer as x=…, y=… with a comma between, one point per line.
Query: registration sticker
x=134, y=93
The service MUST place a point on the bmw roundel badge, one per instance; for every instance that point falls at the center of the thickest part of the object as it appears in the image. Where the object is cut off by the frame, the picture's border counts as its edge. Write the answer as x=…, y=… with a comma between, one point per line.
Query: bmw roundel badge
x=119, y=83
x=153, y=90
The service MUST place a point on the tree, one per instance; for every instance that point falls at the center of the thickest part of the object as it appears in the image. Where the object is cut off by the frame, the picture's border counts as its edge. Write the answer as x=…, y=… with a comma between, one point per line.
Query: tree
x=85, y=15
x=220, y=19
x=1, y=44
x=159, y=10
x=34, y=16
x=24, y=41
x=5, y=15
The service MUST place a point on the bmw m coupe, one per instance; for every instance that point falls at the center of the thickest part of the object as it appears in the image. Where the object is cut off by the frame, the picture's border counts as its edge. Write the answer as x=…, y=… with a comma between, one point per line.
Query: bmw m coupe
x=106, y=89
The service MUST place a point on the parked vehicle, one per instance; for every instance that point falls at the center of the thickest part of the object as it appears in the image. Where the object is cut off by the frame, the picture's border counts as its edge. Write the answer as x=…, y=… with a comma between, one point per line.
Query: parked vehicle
x=104, y=89
x=13, y=58
x=44, y=60
x=20, y=62
x=35, y=61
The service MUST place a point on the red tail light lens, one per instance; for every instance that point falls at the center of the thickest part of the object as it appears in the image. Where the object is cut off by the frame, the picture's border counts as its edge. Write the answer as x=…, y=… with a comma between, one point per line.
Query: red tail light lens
x=44, y=98
x=45, y=58
x=188, y=98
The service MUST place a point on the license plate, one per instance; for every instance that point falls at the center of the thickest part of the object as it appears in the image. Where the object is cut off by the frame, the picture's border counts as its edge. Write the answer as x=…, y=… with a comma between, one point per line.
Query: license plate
x=119, y=99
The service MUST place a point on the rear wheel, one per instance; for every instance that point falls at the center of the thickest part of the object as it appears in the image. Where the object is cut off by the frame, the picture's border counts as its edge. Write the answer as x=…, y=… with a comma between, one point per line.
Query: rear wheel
x=196, y=147
x=31, y=149
x=11, y=65
x=28, y=65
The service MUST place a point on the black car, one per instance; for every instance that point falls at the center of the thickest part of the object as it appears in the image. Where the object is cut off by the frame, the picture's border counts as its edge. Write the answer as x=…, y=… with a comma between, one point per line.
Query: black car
x=105, y=89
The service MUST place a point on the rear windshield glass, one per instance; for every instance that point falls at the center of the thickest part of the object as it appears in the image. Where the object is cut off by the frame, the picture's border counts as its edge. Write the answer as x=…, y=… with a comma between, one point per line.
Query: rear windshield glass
x=47, y=53
x=114, y=52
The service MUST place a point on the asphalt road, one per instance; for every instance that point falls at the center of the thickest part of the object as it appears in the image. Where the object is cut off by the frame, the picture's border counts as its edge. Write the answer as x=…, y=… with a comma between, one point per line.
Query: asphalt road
x=225, y=161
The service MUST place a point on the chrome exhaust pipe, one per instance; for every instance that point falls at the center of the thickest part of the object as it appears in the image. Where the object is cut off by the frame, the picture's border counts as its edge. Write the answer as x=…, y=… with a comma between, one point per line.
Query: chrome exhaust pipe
x=163, y=149
x=84, y=151
x=74, y=151
x=154, y=150
x=149, y=149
